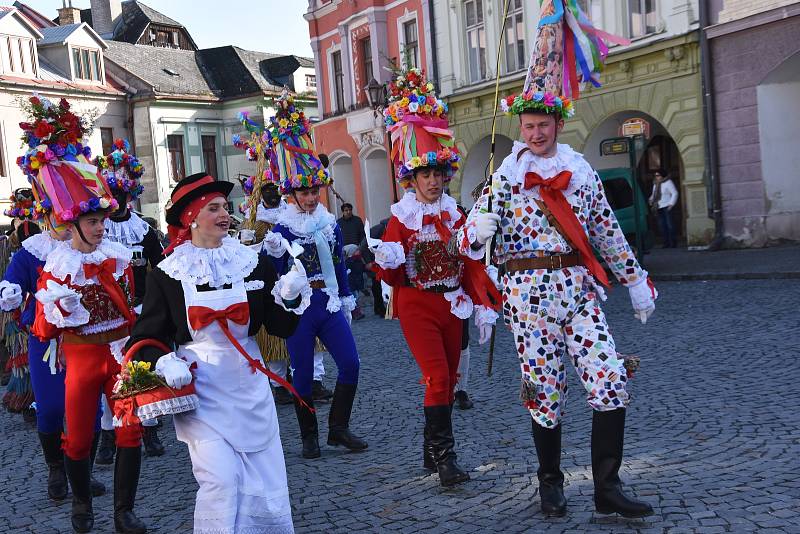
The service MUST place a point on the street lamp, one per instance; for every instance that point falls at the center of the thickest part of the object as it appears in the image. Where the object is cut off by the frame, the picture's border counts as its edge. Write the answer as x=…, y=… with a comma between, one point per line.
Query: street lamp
x=376, y=97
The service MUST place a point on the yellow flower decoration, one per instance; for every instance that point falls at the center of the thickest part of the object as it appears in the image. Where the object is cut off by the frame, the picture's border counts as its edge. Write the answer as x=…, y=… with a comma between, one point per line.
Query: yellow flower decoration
x=283, y=123
x=403, y=102
x=294, y=116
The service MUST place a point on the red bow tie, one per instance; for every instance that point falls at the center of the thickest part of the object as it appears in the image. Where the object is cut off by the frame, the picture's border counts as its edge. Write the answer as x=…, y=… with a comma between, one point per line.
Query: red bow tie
x=438, y=222
x=90, y=270
x=200, y=316
x=559, y=182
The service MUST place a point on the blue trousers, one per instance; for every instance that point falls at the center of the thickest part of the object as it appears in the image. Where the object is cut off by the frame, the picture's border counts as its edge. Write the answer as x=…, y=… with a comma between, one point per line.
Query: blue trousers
x=48, y=389
x=667, y=228
x=334, y=332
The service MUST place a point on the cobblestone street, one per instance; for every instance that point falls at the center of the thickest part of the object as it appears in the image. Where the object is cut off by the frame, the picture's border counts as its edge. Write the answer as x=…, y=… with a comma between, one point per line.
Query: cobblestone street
x=711, y=444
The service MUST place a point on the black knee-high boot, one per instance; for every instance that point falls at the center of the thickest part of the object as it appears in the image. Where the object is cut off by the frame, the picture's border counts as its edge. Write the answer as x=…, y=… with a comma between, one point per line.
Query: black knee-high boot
x=339, y=419
x=54, y=457
x=428, y=461
x=608, y=435
x=551, y=479
x=79, y=474
x=105, y=455
x=309, y=432
x=98, y=488
x=438, y=419
x=126, y=481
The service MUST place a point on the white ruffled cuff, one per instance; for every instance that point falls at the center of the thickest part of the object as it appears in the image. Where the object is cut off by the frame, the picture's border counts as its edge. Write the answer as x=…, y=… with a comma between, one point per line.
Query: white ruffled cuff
x=349, y=303
x=390, y=255
x=55, y=317
x=470, y=236
x=13, y=302
x=460, y=303
x=305, y=297
x=272, y=245
x=484, y=315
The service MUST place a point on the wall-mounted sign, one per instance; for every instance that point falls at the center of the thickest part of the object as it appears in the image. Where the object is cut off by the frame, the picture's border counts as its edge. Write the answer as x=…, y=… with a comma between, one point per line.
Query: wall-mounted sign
x=635, y=126
x=611, y=147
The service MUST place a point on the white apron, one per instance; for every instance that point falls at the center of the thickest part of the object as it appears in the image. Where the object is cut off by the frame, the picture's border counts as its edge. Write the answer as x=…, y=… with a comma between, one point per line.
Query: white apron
x=233, y=435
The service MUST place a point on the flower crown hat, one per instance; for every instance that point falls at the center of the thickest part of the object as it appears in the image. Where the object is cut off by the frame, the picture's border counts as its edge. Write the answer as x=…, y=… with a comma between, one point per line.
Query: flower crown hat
x=65, y=183
x=417, y=123
x=568, y=52
x=258, y=148
x=121, y=169
x=294, y=163
x=23, y=205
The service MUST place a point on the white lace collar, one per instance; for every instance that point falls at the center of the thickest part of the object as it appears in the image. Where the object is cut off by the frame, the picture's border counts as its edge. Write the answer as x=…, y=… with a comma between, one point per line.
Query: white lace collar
x=514, y=166
x=226, y=264
x=410, y=211
x=40, y=245
x=128, y=232
x=302, y=224
x=270, y=215
x=64, y=261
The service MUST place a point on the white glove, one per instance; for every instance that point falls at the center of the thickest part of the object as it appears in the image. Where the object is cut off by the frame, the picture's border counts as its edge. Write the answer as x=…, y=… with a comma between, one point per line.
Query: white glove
x=486, y=225
x=11, y=292
x=174, y=370
x=70, y=303
x=272, y=244
x=494, y=274
x=292, y=283
x=247, y=236
x=389, y=255
x=643, y=300
x=485, y=333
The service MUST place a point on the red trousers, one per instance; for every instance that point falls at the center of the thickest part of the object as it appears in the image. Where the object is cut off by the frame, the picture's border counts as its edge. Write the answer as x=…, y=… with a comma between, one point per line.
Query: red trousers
x=91, y=370
x=433, y=334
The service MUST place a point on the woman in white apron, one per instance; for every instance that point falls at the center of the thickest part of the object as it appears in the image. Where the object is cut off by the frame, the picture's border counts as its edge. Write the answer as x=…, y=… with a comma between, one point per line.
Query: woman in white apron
x=208, y=299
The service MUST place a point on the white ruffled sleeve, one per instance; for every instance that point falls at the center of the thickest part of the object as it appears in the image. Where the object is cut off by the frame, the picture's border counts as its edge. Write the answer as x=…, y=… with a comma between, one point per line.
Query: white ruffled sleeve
x=348, y=303
x=484, y=315
x=390, y=255
x=305, y=298
x=10, y=296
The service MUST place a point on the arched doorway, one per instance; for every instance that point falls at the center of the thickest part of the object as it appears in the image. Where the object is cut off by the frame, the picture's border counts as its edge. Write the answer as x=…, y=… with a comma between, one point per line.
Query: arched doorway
x=341, y=168
x=375, y=169
x=475, y=167
x=657, y=151
x=779, y=130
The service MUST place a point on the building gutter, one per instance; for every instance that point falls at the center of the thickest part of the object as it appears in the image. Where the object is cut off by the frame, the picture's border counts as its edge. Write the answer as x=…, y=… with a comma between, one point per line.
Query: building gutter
x=434, y=54
x=710, y=123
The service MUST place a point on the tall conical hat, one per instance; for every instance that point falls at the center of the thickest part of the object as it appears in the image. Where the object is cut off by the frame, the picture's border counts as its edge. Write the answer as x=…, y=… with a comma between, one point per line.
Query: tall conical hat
x=416, y=120
x=568, y=52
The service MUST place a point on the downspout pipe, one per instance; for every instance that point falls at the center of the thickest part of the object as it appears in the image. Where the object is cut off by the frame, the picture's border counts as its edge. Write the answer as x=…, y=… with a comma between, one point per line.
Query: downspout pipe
x=434, y=54
x=709, y=116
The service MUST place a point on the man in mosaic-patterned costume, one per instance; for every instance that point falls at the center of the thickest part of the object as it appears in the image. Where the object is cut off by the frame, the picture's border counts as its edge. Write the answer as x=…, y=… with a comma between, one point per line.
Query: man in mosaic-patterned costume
x=547, y=206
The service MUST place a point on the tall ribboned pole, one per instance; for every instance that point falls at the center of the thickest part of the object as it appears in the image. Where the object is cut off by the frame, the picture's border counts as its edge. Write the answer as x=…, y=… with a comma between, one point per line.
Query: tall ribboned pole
x=545, y=66
x=490, y=248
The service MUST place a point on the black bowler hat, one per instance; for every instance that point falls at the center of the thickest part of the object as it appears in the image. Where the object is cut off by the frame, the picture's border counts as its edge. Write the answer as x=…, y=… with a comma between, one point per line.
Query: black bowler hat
x=190, y=188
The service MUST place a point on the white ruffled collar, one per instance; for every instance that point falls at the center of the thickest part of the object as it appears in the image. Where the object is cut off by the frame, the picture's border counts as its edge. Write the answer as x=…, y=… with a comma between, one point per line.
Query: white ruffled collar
x=270, y=215
x=128, y=232
x=514, y=166
x=226, y=264
x=410, y=211
x=64, y=261
x=40, y=245
x=302, y=224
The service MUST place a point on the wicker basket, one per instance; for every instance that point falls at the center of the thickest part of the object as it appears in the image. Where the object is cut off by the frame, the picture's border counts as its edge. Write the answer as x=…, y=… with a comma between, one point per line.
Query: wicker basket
x=153, y=402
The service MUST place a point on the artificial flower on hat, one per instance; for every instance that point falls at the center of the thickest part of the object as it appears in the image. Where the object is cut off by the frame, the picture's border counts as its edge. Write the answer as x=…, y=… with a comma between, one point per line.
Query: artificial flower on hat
x=121, y=169
x=416, y=119
x=23, y=205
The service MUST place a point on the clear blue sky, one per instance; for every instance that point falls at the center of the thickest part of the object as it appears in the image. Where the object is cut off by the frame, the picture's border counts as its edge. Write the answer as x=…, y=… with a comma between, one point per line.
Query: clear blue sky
x=275, y=26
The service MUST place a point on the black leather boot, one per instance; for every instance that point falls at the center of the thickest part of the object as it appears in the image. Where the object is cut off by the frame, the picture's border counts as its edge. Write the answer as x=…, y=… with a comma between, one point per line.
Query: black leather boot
x=126, y=480
x=339, y=419
x=438, y=418
x=427, y=449
x=98, y=488
x=551, y=479
x=463, y=402
x=319, y=392
x=105, y=454
x=79, y=474
x=608, y=435
x=309, y=431
x=152, y=443
x=54, y=457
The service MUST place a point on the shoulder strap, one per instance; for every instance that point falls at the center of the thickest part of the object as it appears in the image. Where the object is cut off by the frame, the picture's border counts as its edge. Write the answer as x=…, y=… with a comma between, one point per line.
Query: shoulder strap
x=554, y=223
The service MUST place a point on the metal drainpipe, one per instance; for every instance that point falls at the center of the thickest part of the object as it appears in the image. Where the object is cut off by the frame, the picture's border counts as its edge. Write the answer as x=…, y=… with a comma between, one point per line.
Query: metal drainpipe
x=711, y=152
x=434, y=58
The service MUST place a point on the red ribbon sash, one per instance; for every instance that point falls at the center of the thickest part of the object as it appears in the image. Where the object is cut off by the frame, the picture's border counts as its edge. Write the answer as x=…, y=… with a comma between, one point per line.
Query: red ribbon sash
x=239, y=313
x=552, y=194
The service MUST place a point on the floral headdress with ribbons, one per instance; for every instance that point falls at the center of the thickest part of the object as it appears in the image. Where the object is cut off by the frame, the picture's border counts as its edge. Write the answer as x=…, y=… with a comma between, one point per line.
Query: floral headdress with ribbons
x=64, y=181
x=121, y=169
x=568, y=52
x=258, y=148
x=416, y=120
x=23, y=205
x=296, y=164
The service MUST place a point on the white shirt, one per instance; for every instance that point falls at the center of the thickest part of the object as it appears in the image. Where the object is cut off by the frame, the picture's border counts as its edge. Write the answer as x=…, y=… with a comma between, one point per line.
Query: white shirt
x=669, y=194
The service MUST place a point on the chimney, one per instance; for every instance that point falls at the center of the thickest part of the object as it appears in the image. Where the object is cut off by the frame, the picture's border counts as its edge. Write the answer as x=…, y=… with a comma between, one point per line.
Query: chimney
x=68, y=14
x=105, y=14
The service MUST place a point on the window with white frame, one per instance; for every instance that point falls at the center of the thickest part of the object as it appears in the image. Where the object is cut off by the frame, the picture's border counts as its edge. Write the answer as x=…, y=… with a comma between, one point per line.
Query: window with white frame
x=86, y=64
x=476, y=39
x=410, y=44
x=641, y=18
x=515, y=37
x=338, y=81
x=311, y=80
